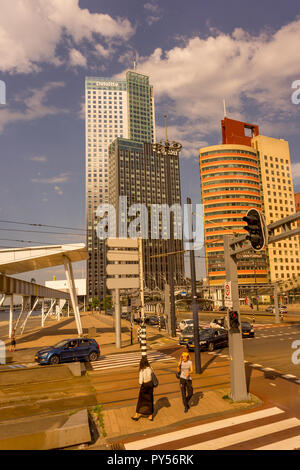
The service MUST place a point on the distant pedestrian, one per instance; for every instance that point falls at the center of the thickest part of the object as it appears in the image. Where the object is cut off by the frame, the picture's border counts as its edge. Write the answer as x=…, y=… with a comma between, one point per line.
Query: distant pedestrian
x=13, y=342
x=145, y=404
x=185, y=369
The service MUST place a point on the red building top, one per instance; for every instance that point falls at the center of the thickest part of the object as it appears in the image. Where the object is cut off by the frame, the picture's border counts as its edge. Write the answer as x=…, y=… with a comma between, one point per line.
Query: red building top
x=297, y=201
x=238, y=132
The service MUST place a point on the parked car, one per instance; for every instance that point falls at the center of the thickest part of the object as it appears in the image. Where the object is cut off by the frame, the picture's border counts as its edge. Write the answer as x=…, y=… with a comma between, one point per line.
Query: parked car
x=152, y=320
x=185, y=323
x=222, y=309
x=217, y=323
x=187, y=334
x=69, y=350
x=282, y=309
x=210, y=339
x=247, y=330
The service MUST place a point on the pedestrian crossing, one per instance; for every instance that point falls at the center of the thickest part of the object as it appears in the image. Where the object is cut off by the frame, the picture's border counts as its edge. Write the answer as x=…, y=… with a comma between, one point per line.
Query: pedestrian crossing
x=114, y=361
x=267, y=429
x=22, y=366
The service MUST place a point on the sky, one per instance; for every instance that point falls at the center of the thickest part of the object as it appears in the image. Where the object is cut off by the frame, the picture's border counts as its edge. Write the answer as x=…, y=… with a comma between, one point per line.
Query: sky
x=197, y=53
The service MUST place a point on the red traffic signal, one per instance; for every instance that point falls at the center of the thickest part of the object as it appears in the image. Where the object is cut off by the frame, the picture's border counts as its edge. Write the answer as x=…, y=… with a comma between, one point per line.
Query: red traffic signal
x=233, y=319
x=256, y=227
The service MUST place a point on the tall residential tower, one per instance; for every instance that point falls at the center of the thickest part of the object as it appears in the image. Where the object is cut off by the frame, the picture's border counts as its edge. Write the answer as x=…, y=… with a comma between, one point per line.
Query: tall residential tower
x=114, y=108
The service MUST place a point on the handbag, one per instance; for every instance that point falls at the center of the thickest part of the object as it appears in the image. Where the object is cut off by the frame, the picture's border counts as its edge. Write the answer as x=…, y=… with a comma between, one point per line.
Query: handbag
x=178, y=373
x=154, y=379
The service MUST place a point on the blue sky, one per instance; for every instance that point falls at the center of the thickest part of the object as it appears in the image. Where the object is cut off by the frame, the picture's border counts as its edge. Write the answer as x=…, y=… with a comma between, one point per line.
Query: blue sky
x=196, y=53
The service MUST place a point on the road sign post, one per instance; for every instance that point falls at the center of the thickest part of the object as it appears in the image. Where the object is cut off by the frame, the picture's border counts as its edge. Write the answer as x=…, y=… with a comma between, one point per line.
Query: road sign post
x=125, y=271
x=236, y=352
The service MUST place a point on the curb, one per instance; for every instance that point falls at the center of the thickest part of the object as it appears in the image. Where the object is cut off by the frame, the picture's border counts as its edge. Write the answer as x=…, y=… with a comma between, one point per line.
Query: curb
x=74, y=431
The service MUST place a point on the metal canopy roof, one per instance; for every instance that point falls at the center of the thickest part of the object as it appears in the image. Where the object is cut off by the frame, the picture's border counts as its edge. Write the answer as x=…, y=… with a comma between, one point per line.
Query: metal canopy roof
x=21, y=260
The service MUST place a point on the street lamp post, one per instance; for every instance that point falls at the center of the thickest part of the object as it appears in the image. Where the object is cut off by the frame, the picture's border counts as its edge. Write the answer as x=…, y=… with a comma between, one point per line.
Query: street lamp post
x=165, y=147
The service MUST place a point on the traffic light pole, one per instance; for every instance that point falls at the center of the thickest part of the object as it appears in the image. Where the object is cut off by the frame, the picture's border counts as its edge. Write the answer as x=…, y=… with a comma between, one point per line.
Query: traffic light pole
x=194, y=296
x=236, y=352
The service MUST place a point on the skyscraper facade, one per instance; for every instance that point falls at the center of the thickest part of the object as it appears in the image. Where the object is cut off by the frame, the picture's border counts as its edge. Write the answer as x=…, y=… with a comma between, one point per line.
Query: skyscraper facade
x=230, y=185
x=278, y=202
x=139, y=175
x=114, y=108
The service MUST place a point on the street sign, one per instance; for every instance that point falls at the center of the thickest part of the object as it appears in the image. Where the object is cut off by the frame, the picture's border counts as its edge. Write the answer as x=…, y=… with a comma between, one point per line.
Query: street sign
x=121, y=269
x=122, y=242
x=122, y=255
x=227, y=294
x=123, y=283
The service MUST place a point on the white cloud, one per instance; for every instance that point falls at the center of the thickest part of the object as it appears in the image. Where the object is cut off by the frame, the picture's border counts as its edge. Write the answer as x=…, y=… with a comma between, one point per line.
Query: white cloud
x=33, y=105
x=62, y=178
x=23, y=21
x=58, y=190
x=39, y=158
x=77, y=59
x=192, y=79
x=156, y=11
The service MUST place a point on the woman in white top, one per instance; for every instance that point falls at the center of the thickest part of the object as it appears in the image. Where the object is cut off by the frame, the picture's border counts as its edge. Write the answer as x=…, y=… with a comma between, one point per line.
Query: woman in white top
x=145, y=402
x=185, y=368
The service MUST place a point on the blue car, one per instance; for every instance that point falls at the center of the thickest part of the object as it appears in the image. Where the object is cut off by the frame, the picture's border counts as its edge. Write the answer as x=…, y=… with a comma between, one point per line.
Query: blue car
x=69, y=350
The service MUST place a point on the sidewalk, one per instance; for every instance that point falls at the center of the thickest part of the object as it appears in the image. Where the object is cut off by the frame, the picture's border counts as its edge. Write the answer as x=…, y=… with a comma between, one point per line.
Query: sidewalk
x=118, y=401
x=169, y=414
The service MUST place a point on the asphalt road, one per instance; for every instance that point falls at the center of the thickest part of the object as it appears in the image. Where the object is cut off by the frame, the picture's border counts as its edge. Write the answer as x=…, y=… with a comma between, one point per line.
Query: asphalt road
x=272, y=347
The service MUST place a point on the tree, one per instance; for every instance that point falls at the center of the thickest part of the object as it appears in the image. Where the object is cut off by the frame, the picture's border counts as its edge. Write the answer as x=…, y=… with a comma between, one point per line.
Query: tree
x=95, y=303
x=107, y=301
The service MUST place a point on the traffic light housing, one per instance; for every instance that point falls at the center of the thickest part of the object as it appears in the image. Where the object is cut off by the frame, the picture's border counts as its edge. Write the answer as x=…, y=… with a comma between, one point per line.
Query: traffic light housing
x=233, y=320
x=256, y=227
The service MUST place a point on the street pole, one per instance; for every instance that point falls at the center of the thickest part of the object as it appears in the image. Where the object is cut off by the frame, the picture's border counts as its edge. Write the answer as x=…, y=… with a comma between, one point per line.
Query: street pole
x=143, y=326
x=236, y=352
x=194, y=293
x=276, y=303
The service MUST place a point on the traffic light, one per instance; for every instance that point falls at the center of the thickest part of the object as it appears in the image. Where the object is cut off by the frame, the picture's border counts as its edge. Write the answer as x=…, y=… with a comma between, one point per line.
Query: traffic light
x=256, y=228
x=233, y=320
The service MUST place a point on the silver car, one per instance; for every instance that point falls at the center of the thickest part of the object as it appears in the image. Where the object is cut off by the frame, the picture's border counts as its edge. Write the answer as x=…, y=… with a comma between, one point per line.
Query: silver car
x=187, y=334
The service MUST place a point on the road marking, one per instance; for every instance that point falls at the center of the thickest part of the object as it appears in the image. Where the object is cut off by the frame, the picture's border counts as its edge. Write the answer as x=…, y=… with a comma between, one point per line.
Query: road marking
x=287, y=444
x=256, y=365
x=289, y=376
x=130, y=359
x=202, y=428
x=266, y=369
x=243, y=436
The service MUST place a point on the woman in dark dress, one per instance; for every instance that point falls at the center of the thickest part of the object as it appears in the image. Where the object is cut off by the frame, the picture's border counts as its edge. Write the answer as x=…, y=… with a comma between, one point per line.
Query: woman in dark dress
x=145, y=402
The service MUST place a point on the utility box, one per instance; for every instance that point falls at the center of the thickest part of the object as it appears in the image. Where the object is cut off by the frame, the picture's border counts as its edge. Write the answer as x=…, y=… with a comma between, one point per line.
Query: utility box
x=92, y=331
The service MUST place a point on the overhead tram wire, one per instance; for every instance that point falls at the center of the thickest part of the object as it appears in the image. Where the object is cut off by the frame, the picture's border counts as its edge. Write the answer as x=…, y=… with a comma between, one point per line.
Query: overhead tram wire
x=38, y=243
x=39, y=231
x=42, y=225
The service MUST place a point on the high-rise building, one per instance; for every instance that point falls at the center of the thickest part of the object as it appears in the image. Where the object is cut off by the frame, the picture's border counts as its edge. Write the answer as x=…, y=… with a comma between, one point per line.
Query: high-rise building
x=114, y=108
x=278, y=202
x=230, y=186
x=258, y=176
x=139, y=175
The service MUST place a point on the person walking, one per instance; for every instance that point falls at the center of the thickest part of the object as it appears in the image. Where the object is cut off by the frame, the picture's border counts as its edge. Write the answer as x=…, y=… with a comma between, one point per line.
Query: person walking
x=13, y=341
x=145, y=405
x=185, y=369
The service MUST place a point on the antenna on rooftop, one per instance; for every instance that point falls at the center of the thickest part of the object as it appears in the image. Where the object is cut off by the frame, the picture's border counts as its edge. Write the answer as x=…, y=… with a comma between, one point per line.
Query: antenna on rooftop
x=134, y=65
x=224, y=105
x=165, y=116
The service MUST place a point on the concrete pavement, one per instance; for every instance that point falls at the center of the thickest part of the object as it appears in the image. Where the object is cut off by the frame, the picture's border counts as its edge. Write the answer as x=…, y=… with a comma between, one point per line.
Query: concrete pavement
x=116, y=390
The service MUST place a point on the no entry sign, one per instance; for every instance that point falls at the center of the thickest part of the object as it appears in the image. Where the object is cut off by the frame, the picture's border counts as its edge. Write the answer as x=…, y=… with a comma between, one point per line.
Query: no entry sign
x=227, y=294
